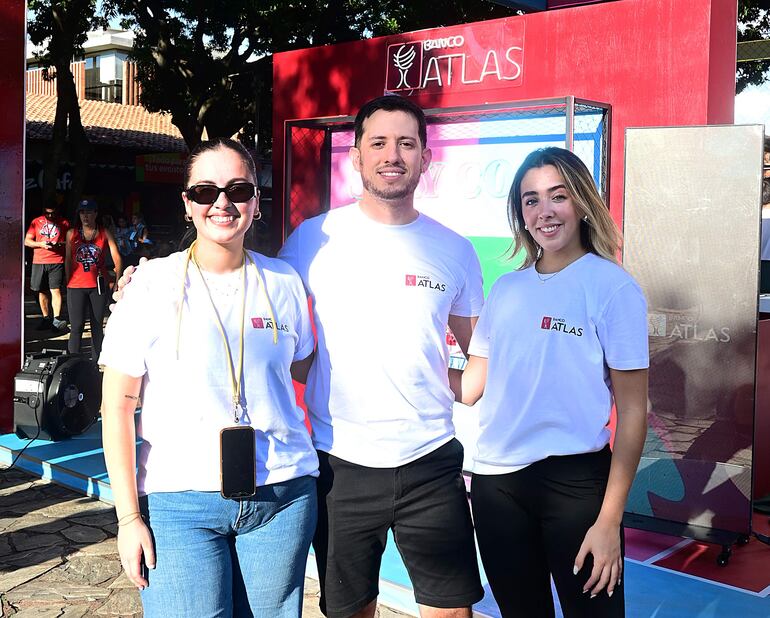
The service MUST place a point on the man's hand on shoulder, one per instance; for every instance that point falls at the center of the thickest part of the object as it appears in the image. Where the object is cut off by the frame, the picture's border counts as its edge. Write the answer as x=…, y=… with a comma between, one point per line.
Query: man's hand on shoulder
x=124, y=280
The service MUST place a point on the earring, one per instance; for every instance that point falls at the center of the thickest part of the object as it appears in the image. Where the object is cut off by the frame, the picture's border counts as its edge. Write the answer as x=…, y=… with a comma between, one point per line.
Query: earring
x=585, y=218
x=187, y=218
x=257, y=215
x=539, y=252
x=526, y=227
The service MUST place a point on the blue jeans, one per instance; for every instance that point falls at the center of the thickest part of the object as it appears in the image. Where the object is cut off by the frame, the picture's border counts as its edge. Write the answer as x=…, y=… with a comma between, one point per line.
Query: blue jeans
x=224, y=558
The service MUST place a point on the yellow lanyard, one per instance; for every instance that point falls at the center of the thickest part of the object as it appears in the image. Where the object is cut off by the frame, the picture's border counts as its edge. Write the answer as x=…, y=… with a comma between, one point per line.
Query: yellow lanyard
x=235, y=378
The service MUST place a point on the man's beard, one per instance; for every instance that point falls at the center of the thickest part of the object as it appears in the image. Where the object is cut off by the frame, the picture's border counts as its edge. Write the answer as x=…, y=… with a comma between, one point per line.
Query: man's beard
x=390, y=193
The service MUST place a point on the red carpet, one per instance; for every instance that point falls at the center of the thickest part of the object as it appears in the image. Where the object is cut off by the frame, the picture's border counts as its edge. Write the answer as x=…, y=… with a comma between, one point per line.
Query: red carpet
x=749, y=566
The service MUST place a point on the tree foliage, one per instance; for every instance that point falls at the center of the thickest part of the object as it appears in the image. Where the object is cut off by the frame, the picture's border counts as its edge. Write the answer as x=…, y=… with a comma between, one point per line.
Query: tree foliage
x=209, y=63
x=753, y=25
x=61, y=28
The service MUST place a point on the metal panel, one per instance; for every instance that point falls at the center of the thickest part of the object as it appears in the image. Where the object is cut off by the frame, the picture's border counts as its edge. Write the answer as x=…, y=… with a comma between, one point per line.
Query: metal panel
x=692, y=227
x=580, y=124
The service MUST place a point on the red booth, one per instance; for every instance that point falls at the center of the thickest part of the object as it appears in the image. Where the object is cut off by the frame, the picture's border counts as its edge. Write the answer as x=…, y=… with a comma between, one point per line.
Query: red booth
x=576, y=77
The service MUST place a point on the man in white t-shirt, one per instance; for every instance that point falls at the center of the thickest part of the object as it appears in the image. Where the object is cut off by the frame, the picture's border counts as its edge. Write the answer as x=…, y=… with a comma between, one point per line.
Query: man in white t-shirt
x=385, y=282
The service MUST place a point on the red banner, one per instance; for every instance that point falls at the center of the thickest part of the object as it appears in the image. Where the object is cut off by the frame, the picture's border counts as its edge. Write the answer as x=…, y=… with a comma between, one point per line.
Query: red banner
x=165, y=168
x=12, y=18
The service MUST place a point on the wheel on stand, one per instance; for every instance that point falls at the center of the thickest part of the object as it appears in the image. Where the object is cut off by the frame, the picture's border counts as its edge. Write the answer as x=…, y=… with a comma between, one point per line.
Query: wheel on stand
x=724, y=557
x=742, y=539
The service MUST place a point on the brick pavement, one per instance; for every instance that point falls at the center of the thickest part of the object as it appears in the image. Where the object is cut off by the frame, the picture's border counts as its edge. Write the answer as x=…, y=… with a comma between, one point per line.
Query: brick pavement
x=58, y=555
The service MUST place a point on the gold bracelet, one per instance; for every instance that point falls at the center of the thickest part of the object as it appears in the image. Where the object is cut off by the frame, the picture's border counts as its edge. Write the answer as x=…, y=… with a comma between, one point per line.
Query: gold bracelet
x=122, y=521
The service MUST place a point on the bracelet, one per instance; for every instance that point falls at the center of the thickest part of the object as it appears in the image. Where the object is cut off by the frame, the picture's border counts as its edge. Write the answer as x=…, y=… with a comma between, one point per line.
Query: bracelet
x=134, y=518
x=128, y=518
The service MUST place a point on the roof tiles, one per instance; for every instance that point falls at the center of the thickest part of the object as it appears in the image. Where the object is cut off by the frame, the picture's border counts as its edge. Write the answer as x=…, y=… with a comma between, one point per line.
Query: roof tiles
x=128, y=127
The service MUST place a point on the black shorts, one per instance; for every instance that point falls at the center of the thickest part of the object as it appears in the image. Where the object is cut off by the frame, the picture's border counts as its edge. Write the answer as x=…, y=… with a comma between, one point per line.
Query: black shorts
x=425, y=504
x=47, y=277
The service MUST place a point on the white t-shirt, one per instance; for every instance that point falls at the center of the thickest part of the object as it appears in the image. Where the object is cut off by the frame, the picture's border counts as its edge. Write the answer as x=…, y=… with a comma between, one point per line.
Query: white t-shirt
x=550, y=345
x=186, y=402
x=378, y=392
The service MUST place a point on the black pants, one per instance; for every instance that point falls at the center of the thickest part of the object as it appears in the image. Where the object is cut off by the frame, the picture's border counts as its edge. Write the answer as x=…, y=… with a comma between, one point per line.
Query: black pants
x=530, y=525
x=78, y=299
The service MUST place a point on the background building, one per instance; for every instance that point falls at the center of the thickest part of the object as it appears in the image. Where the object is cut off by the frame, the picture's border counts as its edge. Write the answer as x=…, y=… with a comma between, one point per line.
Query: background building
x=136, y=158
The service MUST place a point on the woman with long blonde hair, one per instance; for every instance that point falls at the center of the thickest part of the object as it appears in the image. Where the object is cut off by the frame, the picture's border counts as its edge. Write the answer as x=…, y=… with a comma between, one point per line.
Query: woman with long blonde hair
x=558, y=341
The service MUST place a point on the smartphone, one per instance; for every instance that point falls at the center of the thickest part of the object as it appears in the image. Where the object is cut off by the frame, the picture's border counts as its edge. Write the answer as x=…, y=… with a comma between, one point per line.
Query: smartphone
x=238, y=462
x=101, y=285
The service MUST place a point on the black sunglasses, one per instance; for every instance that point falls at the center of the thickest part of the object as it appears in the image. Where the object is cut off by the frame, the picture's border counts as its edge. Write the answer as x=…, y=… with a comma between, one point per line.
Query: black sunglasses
x=237, y=192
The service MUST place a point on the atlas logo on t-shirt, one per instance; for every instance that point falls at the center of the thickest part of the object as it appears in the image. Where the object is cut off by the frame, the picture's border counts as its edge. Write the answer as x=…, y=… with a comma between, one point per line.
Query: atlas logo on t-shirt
x=423, y=281
x=560, y=325
x=268, y=324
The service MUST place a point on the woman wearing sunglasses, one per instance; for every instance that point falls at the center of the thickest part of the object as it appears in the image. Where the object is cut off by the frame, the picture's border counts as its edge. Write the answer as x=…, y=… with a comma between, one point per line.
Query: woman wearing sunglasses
x=209, y=339
x=557, y=341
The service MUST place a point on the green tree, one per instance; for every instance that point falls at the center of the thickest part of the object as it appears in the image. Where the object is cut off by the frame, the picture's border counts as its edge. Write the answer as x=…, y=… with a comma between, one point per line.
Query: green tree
x=753, y=25
x=60, y=27
x=209, y=64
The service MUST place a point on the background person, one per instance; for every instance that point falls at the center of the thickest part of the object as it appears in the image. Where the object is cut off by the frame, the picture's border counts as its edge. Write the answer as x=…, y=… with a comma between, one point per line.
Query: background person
x=557, y=341
x=46, y=236
x=195, y=332
x=122, y=233
x=86, y=272
x=138, y=234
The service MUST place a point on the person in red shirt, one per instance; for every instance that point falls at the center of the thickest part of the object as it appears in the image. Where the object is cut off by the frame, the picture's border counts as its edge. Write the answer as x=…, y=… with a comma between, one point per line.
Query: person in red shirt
x=46, y=236
x=87, y=275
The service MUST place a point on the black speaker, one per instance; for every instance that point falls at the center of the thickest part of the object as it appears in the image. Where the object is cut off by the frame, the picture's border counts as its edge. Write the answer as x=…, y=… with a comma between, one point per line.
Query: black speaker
x=57, y=395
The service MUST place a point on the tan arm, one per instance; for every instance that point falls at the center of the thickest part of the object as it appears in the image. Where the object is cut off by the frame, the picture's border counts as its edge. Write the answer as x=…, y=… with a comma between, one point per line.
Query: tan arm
x=68, y=257
x=120, y=394
x=603, y=539
x=462, y=329
x=29, y=241
x=117, y=259
x=300, y=368
x=468, y=385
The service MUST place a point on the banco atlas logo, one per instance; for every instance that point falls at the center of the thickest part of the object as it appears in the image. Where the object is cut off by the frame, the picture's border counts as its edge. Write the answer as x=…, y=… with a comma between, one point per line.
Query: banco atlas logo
x=267, y=323
x=681, y=326
x=404, y=70
x=560, y=325
x=656, y=324
x=423, y=281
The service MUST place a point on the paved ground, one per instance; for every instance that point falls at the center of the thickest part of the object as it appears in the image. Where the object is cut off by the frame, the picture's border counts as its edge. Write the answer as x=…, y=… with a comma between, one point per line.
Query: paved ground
x=58, y=555
x=36, y=340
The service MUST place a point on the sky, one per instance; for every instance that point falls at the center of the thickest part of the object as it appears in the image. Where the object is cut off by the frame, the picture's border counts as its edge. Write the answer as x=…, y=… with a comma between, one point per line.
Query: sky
x=752, y=106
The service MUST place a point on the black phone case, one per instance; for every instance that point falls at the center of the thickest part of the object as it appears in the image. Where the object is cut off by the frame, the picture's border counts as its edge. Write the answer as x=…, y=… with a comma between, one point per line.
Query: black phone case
x=237, y=457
